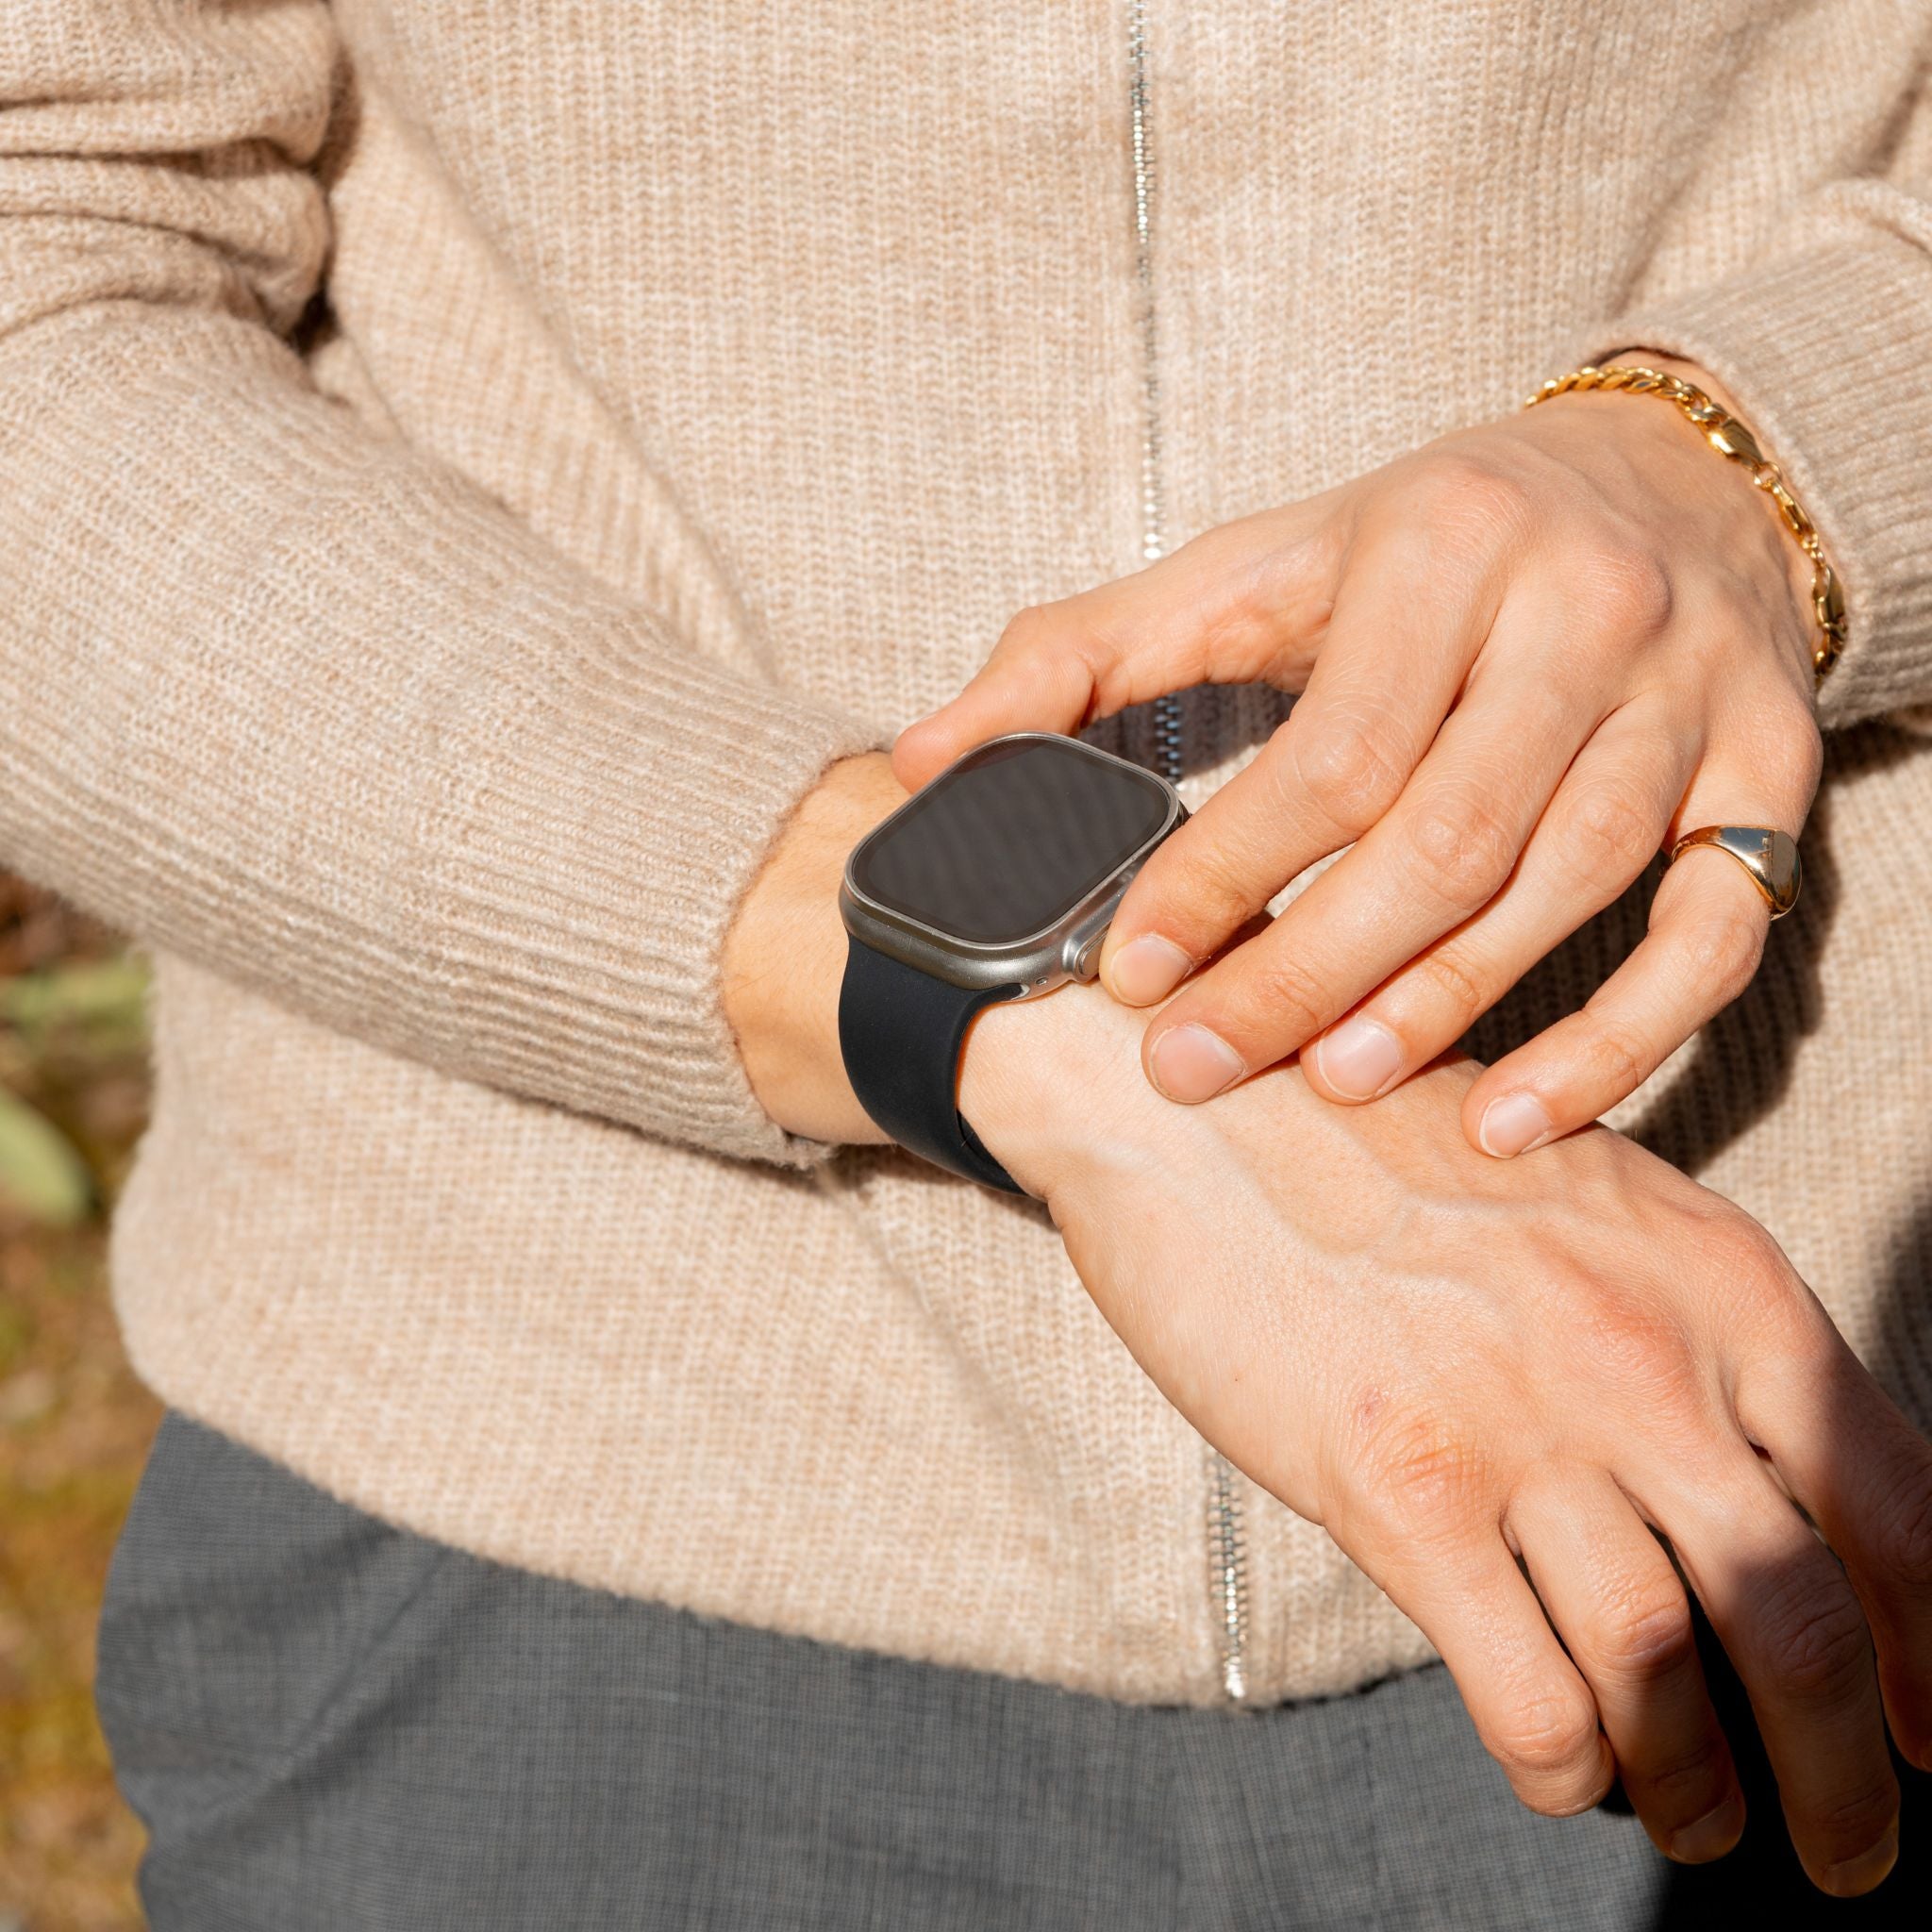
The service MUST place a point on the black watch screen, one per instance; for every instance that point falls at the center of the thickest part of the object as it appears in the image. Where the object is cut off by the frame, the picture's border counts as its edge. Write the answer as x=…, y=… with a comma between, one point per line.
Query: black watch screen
x=1011, y=838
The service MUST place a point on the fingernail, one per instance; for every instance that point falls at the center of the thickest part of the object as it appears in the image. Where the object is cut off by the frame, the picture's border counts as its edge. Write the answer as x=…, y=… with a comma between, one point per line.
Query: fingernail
x=1513, y=1125
x=1359, y=1059
x=1147, y=969
x=1189, y=1063
x=1712, y=1835
x=1849, y=1878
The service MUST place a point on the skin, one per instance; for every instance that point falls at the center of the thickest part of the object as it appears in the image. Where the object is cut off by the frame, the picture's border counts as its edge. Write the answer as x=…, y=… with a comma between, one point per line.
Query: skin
x=1454, y=1363
x=1528, y=656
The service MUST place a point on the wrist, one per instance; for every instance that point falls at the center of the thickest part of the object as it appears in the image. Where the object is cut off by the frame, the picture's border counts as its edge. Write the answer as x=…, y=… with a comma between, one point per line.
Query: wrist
x=1048, y=1084
x=1053, y=1090
x=1054, y=1087
x=784, y=956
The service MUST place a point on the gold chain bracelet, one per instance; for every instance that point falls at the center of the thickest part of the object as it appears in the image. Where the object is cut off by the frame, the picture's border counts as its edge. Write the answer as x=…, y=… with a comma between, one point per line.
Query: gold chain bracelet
x=1729, y=438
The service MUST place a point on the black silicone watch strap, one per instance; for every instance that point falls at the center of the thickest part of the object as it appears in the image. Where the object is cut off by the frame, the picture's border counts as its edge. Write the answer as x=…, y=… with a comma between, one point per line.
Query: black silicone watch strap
x=900, y=1032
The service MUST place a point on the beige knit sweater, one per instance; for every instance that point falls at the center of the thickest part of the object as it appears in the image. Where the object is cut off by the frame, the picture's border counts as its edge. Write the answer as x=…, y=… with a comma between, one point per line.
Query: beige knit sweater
x=467, y=466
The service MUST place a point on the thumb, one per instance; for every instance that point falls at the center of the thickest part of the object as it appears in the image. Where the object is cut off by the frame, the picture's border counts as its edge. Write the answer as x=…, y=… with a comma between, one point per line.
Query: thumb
x=1219, y=610
x=1036, y=679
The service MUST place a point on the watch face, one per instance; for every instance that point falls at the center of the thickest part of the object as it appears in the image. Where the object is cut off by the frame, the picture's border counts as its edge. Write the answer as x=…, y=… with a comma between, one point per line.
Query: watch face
x=1009, y=841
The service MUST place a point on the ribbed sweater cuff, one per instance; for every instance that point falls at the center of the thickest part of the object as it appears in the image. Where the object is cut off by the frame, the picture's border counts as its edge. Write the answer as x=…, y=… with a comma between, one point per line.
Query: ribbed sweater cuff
x=1824, y=353
x=586, y=889
x=288, y=700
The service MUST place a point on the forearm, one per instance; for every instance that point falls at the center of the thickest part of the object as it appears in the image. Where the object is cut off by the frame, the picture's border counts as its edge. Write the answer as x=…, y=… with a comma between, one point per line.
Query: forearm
x=380, y=754
x=301, y=701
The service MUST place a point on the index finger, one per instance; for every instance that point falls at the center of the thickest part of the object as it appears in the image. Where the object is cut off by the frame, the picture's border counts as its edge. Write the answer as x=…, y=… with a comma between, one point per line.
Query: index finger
x=1230, y=608
x=1435, y=808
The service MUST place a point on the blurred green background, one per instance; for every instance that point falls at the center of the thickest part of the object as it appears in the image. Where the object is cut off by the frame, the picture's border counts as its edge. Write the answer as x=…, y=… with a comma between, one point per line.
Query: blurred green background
x=75, y=1425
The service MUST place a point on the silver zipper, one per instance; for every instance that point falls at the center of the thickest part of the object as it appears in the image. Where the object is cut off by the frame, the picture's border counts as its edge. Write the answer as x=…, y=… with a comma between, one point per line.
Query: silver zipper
x=1153, y=502
x=1226, y=1545
x=1227, y=1554
x=1166, y=709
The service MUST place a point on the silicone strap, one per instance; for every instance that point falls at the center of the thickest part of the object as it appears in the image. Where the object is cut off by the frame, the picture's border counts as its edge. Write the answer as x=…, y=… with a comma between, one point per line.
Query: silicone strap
x=900, y=1032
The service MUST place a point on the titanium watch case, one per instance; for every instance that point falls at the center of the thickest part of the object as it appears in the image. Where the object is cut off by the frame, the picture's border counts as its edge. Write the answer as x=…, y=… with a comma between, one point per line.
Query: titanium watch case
x=1067, y=949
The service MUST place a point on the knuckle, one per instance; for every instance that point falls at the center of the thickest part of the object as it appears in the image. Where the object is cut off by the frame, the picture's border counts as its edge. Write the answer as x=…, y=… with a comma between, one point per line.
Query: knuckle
x=1612, y=833
x=1466, y=501
x=1070, y=629
x=1626, y=584
x=1452, y=987
x=1815, y=1640
x=1649, y=1636
x=1462, y=850
x=1030, y=632
x=1352, y=768
x=1196, y=884
x=1805, y=753
x=1238, y=571
x=1792, y=723
x=1905, y=1538
x=1551, y=1747
x=1721, y=952
x=1278, y=984
x=1782, y=736
x=1850, y=1821
x=1640, y=1350
x=1615, y=1059
x=1683, y=1786
x=1422, y=1473
x=1736, y=1248
x=1741, y=1262
x=1805, y=763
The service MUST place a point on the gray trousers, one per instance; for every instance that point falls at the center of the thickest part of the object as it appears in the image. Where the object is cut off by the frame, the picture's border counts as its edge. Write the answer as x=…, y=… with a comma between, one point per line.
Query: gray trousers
x=329, y=1725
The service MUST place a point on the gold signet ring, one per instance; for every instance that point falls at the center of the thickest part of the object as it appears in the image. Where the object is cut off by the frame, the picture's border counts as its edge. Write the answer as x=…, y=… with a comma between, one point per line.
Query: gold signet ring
x=1770, y=857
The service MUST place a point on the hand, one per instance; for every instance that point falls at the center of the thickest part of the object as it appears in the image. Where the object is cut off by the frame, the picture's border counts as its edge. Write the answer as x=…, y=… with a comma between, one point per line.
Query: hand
x=1530, y=655
x=1450, y=1363
x=1453, y=1363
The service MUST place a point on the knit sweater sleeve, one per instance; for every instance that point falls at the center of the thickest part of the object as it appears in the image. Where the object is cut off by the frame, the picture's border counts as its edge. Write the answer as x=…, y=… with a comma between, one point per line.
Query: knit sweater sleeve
x=279, y=696
x=1821, y=335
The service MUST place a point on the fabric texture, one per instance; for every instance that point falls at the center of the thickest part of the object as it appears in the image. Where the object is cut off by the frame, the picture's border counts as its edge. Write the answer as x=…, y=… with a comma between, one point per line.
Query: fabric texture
x=329, y=1723
x=465, y=470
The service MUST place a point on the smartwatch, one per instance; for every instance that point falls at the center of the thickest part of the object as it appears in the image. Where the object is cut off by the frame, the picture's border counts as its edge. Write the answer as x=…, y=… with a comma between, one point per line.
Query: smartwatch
x=995, y=882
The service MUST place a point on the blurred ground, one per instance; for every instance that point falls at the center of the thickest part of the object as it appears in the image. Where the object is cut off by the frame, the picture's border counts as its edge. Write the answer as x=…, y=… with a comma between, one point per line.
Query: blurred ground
x=74, y=1422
